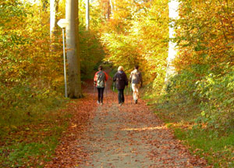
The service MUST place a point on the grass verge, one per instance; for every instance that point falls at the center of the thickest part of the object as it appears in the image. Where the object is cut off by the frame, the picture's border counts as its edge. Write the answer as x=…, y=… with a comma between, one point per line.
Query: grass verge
x=217, y=147
x=28, y=138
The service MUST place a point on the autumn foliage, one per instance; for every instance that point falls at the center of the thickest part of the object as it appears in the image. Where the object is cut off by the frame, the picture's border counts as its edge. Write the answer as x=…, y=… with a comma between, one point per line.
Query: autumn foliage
x=205, y=35
x=30, y=69
x=205, y=60
x=137, y=34
x=26, y=59
x=126, y=33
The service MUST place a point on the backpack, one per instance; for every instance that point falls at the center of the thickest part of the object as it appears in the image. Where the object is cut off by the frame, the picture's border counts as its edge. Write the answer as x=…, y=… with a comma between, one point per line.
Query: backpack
x=121, y=80
x=100, y=79
x=120, y=77
x=136, y=77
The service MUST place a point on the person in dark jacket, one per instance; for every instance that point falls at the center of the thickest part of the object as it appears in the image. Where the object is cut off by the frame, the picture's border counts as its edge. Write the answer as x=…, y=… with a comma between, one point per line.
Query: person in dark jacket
x=121, y=81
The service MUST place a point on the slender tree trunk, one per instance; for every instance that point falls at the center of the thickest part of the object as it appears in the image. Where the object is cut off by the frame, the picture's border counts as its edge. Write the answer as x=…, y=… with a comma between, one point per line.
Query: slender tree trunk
x=53, y=19
x=73, y=58
x=111, y=7
x=173, y=14
x=108, y=10
x=87, y=15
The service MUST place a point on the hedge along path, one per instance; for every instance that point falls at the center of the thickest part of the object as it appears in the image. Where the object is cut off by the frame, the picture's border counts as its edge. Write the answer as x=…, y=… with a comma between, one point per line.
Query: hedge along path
x=112, y=136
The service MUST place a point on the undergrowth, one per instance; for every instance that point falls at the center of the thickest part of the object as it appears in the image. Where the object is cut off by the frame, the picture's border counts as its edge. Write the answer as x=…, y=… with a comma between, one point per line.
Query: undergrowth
x=183, y=116
x=29, y=136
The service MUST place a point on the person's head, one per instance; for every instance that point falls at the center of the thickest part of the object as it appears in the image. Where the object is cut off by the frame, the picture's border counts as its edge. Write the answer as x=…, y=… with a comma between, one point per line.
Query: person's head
x=136, y=66
x=120, y=68
x=100, y=68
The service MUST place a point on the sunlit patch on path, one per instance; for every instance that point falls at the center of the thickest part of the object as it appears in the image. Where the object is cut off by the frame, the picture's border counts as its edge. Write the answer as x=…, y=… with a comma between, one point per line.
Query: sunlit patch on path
x=143, y=129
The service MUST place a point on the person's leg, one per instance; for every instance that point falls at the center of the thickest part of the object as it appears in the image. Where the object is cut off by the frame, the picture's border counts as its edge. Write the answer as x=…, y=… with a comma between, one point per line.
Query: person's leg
x=134, y=91
x=119, y=96
x=122, y=97
x=137, y=91
x=101, y=94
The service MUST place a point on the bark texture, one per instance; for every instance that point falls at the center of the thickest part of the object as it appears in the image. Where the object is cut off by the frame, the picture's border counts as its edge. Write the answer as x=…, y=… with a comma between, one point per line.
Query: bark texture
x=73, y=58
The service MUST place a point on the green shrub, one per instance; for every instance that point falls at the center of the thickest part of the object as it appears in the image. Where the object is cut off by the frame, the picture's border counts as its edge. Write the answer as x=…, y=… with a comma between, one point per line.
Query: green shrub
x=216, y=93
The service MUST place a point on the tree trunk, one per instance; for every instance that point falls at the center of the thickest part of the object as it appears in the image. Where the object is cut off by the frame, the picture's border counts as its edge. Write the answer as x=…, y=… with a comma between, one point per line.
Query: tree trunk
x=53, y=19
x=173, y=14
x=87, y=15
x=112, y=7
x=73, y=58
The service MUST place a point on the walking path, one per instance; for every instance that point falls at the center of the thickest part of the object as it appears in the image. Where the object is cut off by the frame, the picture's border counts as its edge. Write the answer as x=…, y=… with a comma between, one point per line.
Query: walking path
x=128, y=136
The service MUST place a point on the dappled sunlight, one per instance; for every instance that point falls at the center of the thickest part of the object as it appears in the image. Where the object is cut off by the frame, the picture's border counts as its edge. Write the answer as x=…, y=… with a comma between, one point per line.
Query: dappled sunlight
x=184, y=125
x=144, y=128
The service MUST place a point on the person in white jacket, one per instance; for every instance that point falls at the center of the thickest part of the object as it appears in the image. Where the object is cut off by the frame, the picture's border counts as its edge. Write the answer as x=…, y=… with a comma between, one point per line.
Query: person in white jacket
x=136, y=83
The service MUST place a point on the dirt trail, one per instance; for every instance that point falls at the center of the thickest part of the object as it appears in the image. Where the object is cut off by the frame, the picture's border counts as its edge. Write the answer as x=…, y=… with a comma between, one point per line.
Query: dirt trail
x=128, y=136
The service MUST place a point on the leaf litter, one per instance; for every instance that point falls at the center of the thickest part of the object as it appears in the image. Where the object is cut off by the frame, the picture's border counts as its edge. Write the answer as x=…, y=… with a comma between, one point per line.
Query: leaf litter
x=127, y=136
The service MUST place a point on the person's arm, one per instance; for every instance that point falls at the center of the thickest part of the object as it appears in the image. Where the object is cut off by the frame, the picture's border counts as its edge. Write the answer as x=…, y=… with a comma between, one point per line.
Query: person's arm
x=114, y=78
x=126, y=79
x=95, y=78
x=141, y=80
x=106, y=76
x=130, y=78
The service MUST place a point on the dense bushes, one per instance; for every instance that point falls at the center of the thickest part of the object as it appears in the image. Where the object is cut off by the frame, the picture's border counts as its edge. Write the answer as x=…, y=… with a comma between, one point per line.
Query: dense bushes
x=91, y=52
x=216, y=93
x=30, y=72
x=28, y=69
x=204, y=65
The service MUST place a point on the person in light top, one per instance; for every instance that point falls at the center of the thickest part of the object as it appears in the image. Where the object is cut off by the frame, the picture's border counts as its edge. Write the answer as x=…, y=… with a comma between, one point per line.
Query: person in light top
x=136, y=83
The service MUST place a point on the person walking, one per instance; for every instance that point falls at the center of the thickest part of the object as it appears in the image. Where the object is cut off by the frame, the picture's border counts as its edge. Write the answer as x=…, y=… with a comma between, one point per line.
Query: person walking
x=136, y=83
x=121, y=80
x=100, y=79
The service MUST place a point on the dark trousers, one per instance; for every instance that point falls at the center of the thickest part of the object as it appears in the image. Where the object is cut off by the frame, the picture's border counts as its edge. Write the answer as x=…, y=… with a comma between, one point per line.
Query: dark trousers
x=121, y=95
x=100, y=94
